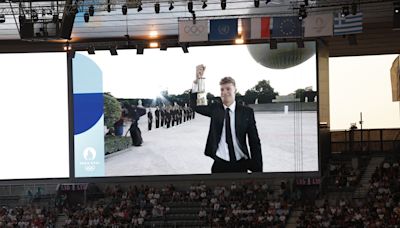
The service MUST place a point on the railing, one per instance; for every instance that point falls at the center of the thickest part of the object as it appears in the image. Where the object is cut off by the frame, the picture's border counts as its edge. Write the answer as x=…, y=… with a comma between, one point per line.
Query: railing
x=367, y=140
x=22, y=189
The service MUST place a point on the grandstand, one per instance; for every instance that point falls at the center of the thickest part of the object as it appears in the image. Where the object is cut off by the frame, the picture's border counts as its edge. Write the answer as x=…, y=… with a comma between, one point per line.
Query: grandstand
x=314, y=175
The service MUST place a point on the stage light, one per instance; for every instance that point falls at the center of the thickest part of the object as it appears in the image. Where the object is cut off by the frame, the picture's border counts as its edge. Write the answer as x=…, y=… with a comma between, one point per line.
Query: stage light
x=91, y=50
x=204, y=4
x=139, y=8
x=302, y=12
x=157, y=7
x=194, y=17
x=108, y=6
x=345, y=11
x=2, y=18
x=171, y=5
x=396, y=16
x=185, y=47
x=86, y=17
x=124, y=10
x=67, y=47
x=190, y=6
x=163, y=46
x=153, y=34
x=153, y=45
x=139, y=49
x=223, y=4
x=113, y=50
x=239, y=41
x=91, y=10
x=256, y=3
x=354, y=8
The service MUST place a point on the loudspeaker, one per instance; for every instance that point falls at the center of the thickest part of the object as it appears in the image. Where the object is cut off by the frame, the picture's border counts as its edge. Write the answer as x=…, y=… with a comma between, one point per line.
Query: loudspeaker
x=26, y=30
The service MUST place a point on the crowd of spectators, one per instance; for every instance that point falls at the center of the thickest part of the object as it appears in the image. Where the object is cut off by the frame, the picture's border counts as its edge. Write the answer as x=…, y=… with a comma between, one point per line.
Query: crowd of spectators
x=380, y=208
x=344, y=175
x=250, y=204
x=28, y=216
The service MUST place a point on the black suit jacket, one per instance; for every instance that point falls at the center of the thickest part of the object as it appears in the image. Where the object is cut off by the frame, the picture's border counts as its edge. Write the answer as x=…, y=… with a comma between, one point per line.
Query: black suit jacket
x=245, y=125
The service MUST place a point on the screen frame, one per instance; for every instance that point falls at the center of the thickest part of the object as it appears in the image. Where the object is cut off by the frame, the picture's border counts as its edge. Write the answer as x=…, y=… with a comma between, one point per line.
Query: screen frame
x=213, y=176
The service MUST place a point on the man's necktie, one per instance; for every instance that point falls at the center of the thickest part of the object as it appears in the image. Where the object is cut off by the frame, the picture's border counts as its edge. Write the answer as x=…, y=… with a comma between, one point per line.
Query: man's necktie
x=228, y=136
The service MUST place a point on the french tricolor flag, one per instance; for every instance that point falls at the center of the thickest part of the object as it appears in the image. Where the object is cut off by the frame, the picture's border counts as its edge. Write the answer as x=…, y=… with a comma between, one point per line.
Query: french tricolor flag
x=256, y=28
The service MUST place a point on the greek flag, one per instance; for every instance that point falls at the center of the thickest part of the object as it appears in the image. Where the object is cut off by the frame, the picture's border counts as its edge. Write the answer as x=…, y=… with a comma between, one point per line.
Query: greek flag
x=350, y=24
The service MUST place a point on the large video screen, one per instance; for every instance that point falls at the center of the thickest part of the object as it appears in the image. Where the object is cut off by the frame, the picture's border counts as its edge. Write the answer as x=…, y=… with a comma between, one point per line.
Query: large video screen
x=138, y=114
x=371, y=82
x=34, y=116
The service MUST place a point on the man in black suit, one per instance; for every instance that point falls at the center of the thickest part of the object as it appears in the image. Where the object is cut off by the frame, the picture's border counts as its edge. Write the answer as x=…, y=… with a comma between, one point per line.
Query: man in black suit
x=230, y=123
x=157, y=114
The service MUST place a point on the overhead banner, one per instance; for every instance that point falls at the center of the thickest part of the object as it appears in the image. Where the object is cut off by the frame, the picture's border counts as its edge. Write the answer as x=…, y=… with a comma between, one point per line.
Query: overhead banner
x=193, y=32
x=88, y=118
x=318, y=25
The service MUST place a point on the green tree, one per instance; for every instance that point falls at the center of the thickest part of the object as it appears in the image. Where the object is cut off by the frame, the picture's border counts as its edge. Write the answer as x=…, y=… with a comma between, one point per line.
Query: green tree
x=302, y=94
x=262, y=91
x=112, y=110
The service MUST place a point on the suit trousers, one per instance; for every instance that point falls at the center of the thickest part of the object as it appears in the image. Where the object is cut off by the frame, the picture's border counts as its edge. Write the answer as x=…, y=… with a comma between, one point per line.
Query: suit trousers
x=222, y=166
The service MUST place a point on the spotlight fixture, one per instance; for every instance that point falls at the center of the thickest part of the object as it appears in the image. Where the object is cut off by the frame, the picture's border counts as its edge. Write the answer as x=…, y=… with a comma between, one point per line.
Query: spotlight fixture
x=223, y=4
x=163, y=46
x=91, y=10
x=396, y=16
x=300, y=43
x=273, y=44
x=157, y=7
x=302, y=12
x=113, y=50
x=267, y=1
x=185, y=47
x=345, y=11
x=139, y=8
x=86, y=17
x=354, y=8
x=256, y=3
x=34, y=15
x=124, y=9
x=108, y=6
x=190, y=6
x=153, y=45
x=67, y=47
x=204, y=4
x=139, y=49
x=2, y=18
x=194, y=17
x=171, y=5
x=91, y=50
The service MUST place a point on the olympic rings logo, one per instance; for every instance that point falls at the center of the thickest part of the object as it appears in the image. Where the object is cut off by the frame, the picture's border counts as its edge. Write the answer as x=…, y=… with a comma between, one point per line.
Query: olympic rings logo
x=194, y=29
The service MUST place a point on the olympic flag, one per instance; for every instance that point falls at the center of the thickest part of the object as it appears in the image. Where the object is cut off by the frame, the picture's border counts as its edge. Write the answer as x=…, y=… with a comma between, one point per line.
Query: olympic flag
x=193, y=32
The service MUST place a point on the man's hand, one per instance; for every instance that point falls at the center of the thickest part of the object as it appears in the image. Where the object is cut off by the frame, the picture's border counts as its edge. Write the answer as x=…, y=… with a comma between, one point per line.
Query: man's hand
x=200, y=71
